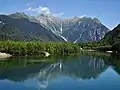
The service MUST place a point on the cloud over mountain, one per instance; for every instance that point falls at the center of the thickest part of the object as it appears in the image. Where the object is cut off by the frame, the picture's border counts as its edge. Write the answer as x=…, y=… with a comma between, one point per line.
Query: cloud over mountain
x=43, y=10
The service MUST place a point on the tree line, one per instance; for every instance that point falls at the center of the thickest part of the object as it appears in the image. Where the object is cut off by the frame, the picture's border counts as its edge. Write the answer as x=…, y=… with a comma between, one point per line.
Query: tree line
x=38, y=48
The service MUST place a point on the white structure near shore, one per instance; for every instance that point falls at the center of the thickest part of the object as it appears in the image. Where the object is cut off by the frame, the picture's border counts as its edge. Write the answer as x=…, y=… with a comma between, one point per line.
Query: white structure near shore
x=4, y=55
x=109, y=51
x=47, y=54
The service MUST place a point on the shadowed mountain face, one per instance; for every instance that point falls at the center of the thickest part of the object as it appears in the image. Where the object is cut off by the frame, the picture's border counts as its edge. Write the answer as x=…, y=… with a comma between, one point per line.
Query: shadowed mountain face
x=113, y=36
x=20, y=28
x=76, y=29
x=86, y=30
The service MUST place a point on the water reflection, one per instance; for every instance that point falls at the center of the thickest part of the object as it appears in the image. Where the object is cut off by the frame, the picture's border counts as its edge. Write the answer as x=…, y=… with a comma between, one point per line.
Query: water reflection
x=114, y=61
x=80, y=68
x=44, y=71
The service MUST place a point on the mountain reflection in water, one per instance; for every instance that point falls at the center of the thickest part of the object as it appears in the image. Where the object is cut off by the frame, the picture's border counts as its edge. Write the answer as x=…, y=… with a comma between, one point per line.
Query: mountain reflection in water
x=42, y=72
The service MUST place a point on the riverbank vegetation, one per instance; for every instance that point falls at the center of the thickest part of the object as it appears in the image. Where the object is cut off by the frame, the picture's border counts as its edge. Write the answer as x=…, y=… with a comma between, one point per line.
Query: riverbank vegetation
x=116, y=47
x=55, y=49
x=98, y=46
x=38, y=48
x=101, y=46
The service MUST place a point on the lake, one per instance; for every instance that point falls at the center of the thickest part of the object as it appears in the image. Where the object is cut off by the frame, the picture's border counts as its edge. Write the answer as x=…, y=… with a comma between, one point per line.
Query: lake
x=88, y=71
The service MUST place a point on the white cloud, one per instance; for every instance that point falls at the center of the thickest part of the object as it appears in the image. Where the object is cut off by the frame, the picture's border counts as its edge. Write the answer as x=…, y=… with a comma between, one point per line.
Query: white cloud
x=58, y=14
x=29, y=9
x=40, y=9
x=43, y=10
x=28, y=4
x=84, y=15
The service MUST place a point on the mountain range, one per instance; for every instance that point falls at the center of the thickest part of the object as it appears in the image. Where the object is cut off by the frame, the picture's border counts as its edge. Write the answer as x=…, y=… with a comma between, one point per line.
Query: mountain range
x=21, y=27
x=75, y=29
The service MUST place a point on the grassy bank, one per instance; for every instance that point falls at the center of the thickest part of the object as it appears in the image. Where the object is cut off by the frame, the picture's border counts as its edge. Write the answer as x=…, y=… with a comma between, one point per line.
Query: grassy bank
x=38, y=48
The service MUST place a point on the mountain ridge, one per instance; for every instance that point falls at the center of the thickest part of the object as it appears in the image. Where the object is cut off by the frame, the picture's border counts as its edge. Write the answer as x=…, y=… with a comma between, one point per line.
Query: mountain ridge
x=28, y=31
x=76, y=29
x=68, y=28
x=112, y=36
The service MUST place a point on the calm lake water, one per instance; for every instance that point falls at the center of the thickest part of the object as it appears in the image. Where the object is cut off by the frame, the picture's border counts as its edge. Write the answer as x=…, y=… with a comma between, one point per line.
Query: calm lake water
x=88, y=71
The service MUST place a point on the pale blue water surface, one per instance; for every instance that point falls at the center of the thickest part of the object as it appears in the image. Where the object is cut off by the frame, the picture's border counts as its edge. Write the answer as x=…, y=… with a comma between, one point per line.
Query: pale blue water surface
x=84, y=72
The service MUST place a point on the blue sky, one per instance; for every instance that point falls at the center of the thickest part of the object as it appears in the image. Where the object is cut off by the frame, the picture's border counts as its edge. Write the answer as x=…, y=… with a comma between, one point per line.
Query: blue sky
x=107, y=11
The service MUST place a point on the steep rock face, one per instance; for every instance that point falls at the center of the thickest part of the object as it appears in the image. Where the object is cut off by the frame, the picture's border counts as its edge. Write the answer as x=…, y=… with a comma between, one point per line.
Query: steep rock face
x=57, y=25
x=21, y=29
x=86, y=30
x=75, y=29
x=50, y=23
x=112, y=36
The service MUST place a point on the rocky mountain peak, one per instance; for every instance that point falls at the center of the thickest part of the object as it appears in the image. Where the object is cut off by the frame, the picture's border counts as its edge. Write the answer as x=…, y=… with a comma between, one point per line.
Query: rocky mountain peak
x=96, y=20
x=19, y=15
x=76, y=29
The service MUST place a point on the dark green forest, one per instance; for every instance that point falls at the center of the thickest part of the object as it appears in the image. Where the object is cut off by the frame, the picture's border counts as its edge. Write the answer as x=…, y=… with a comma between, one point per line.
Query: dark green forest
x=38, y=48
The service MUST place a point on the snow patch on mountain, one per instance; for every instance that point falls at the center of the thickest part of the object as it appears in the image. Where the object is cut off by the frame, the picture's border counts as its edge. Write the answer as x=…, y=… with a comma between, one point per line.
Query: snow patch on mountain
x=78, y=39
x=63, y=38
x=0, y=21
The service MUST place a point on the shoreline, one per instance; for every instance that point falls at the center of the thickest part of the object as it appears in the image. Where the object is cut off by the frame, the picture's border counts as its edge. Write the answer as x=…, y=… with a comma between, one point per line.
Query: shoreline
x=4, y=55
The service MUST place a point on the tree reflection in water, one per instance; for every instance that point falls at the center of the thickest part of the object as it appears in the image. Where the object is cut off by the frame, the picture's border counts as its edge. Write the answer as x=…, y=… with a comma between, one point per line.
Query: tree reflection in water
x=86, y=67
